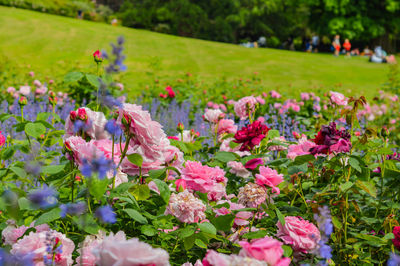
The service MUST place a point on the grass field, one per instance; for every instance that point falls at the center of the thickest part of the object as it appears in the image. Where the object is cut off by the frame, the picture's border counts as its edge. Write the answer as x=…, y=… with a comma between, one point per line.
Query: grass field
x=53, y=45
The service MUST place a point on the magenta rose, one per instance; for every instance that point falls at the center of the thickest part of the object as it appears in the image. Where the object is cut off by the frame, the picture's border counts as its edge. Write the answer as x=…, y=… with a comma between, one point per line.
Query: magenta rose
x=270, y=178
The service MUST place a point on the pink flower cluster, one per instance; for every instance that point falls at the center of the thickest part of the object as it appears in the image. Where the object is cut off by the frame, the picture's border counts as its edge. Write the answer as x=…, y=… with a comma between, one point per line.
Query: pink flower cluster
x=210, y=180
x=338, y=98
x=302, y=148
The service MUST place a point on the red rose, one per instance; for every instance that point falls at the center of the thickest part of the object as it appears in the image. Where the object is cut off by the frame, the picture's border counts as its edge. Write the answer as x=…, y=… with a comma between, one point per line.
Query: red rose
x=396, y=240
x=251, y=135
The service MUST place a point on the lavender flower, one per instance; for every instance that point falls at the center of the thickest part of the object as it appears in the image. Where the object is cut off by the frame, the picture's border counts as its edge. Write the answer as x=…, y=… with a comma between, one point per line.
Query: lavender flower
x=18, y=259
x=112, y=127
x=324, y=222
x=106, y=214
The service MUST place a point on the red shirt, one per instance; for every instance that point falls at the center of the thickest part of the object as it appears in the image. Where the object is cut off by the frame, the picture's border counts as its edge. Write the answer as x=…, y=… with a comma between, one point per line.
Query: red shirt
x=347, y=46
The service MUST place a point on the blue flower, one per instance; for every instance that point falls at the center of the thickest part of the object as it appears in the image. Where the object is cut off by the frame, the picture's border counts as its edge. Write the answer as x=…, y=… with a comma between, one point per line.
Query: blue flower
x=394, y=260
x=325, y=251
x=112, y=127
x=44, y=197
x=99, y=165
x=18, y=259
x=106, y=214
x=72, y=209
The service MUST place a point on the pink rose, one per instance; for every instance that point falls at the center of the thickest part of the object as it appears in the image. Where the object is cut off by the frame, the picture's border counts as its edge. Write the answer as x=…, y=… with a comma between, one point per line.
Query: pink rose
x=205, y=179
x=245, y=106
x=37, y=83
x=25, y=90
x=238, y=169
x=270, y=178
x=226, y=126
x=94, y=123
x=265, y=249
x=11, y=90
x=302, y=148
x=115, y=251
x=180, y=185
x=302, y=235
x=11, y=233
x=86, y=257
x=2, y=140
x=260, y=100
x=305, y=96
x=213, y=115
x=147, y=133
x=225, y=147
x=275, y=94
x=241, y=218
x=214, y=258
x=36, y=243
x=338, y=98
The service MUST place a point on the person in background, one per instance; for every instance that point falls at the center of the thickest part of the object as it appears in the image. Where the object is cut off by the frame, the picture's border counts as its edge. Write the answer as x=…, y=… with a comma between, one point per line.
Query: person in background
x=367, y=51
x=336, y=45
x=315, y=43
x=347, y=46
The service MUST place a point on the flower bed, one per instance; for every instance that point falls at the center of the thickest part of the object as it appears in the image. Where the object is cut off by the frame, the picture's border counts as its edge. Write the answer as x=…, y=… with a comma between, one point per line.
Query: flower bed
x=254, y=180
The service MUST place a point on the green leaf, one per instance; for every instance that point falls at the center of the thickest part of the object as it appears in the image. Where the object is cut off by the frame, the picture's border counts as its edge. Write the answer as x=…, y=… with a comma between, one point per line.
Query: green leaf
x=35, y=129
x=135, y=215
x=281, y=218
x=157, y=174
x=287, y=250
x=187, y=231
x=273, y=133
x=207, y=227
x=18, y=171
x=141, y=192
x=148, y=230
x=225, y=156
x=188, y=242
x=200, y=243
x=4, y=117
x=53, y=169
x=336, y=222
x=73, y=77
x=98, y=187
x=255, y=235
x=355, y=164
x=295, y=169
x=164, y=189
x=87, y=223
x=93, y=80
x=8, y=152
x=136, y=159
x=48, y=217
x=224, y=222
x=303, y=159
x=367, y=186
x=344, y=187
x=24, y=204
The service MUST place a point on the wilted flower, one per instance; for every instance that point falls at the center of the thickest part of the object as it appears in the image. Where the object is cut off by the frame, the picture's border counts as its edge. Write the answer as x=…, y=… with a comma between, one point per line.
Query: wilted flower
x=329, y=140
x=186, y=208
x=252, y=195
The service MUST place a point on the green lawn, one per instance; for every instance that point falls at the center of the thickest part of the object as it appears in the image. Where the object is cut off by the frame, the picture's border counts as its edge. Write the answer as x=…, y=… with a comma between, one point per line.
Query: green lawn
x=52, y=45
